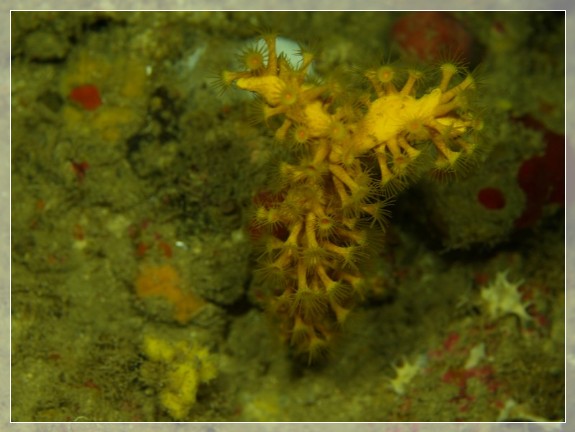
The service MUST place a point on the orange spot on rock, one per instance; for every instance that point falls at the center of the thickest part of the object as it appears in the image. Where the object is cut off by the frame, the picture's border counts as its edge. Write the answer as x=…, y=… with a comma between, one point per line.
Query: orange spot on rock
x=165, y=248
x=78, y=232
x=141, y=249
x=80, y=169
x=164, y=281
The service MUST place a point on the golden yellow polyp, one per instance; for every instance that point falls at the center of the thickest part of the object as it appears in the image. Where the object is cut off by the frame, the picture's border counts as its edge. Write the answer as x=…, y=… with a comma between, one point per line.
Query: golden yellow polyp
x=269, y=87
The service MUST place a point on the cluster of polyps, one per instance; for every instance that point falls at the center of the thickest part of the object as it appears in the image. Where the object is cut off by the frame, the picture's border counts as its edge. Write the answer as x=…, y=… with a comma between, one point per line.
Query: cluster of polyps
x=316, y=230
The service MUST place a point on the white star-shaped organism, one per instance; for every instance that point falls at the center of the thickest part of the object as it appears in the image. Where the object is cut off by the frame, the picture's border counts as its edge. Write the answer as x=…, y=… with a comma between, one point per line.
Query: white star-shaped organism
x=502, y=297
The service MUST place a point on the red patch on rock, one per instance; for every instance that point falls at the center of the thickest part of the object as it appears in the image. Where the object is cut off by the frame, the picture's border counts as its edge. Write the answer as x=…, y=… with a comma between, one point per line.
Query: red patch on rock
x=491, y=198
x=88, y=96
x=542, y=178
x=431, y=35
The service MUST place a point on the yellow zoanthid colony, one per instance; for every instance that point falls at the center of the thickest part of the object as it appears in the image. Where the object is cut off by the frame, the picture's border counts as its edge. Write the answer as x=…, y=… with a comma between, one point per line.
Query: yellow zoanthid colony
x=185, y=367
x=355, y=151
